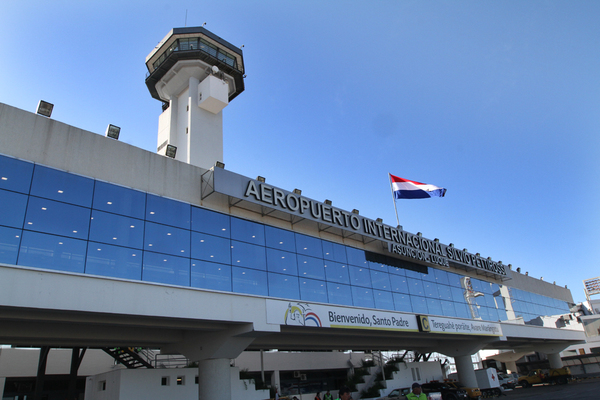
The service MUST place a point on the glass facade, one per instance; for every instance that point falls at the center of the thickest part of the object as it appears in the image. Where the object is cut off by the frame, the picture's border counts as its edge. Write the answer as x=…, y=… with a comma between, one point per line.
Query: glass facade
x=56, y=220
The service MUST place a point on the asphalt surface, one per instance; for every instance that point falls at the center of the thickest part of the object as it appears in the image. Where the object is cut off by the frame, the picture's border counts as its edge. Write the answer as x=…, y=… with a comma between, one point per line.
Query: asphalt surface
x=579, y=390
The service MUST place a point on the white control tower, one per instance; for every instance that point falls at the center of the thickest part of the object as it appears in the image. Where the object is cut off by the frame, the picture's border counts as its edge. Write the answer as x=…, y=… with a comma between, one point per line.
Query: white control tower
x=195, y=74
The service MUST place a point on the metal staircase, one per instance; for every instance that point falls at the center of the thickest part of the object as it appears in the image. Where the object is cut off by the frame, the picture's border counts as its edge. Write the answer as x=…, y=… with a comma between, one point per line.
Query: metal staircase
x=131, y=357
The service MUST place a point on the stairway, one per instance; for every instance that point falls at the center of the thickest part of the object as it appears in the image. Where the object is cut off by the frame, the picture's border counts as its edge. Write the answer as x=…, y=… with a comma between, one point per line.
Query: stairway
x=128, y=356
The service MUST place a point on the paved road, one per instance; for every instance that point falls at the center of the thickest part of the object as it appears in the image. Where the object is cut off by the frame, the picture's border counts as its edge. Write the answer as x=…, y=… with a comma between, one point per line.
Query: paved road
x=583, y=390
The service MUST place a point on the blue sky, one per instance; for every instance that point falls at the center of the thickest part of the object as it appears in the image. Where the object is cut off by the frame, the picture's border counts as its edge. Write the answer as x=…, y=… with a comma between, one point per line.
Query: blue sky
x=499, y=102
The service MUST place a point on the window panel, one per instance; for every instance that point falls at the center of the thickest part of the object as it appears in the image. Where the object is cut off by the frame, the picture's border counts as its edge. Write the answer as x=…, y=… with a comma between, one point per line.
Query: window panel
x=356, y=257
x=310, y=267
x=119, y=200
x=117, y=230
x=313, y=290
x=248, y=255
x=419, y=304
x=62, y=186
x=15, y=174
x=431, y=290
x=414, y=274
x=12, y=210
x=441, y=276
x=284, y=286
x=167, y=239
x=359, y=276
x=309, y=246
x=336, y=272
x=167, y=269
x=383, y=300
x=282, y=262
x=249, y=281
x=435, y=307
x=454, y=279
x=395, y=270
x=211, y=222
x=168, y=212
x=402, y=302
x=362, y=297
x=334, y=252
x=280, y=239
x=211, y=248
x=52, y=252
x=114, y=261
x=415, y=287
x=57, y=218
x=9, y=244
x=399, y=283
x=381, y=280
x=448, y=308
x=444, y=292
x=493, y=314
x=209, y=275
x=458, y=295
x=502, y=316
x=462, y=310
x=247, y=231
x=339, y=294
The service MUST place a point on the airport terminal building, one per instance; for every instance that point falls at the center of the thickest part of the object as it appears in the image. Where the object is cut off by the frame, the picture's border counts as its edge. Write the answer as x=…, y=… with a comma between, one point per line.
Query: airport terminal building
x=104, y=244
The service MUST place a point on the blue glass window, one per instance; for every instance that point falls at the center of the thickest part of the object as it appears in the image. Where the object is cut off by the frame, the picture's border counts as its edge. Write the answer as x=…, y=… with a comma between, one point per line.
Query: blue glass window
x=454, y=279
x=430, y=277
x=414, y=274
x=502, y=315
x=402, y=302
x=458, y=295
x=356, y=257
x=448, y=309
x=383, y=300
x=434, y=306
x=9, y=245
x=57, y=218
x=415, y=287
x=211, y=222
x=310, y=267
x=441, y=276
x=309, y=246
x=445, y=292
x=399, y=283
x=211, y=248
x=419, y=304
x=248, y=255
x=249, y=281
x=114, y=261
x=334, y=252
x=394, y=270
x=313, y=290
x=167, y=239
x=483, y=313
x=381, y=280
x=339, y=294
x=168, y=212
x=462, y=310
x=119, y=200
x=116, y=229
x=284, y=286
x=52, y=252
x=280, y=239
x=336, y=272
x=493, y=314
x=360, y=276
x=362, y=297
x=247, y=231
x=167, y=269
x=282, y=262
x=431, y=290
x=62, y=186
x=208, y=275
x=15, y=174
x=12, y=211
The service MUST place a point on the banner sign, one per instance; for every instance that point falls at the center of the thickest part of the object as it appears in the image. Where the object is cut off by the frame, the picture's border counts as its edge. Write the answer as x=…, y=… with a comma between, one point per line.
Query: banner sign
x=294, y=313
x=399, y=241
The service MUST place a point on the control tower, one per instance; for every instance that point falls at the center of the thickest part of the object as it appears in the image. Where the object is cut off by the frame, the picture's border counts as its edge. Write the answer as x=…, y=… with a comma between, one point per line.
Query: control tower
x=195, y=74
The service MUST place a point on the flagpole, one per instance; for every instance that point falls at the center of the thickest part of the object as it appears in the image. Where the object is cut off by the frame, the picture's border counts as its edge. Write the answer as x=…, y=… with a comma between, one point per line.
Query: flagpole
x=393, y=198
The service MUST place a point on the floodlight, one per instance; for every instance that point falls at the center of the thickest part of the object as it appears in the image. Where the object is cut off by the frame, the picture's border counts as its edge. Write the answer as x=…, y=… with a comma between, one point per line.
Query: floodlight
x=44, y=108
x=219, y=164
x=260, y=179
x=112, y=131
x=380, y=220
x=328, y=202
x=171, y=151
x=355, y=211
x=298, y=192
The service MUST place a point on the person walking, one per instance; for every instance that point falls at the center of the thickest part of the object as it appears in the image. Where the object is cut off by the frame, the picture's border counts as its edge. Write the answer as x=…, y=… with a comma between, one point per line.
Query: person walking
x=344, y=393
x=328, y=396
x=318, y=396
x=417, y=393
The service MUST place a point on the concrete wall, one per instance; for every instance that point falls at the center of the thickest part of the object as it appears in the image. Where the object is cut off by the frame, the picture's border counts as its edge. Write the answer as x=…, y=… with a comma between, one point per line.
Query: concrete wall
x=531, y=284
x=284, y=361
x=427, y=371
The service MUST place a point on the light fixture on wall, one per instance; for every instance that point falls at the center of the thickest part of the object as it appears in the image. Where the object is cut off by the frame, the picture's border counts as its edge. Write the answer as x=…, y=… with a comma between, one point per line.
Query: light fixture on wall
x=219, y=164
x=298, y=192
x=171, y=151
x=260, y=179
x=44, y=108
x=112, y=131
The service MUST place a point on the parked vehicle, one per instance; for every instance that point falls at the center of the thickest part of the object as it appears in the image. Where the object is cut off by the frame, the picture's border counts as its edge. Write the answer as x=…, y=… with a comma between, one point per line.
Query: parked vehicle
x=507, y=381
x=400, y=394
x=474, y=393
x=559, y=376
x=449, y=392
x=487, y=380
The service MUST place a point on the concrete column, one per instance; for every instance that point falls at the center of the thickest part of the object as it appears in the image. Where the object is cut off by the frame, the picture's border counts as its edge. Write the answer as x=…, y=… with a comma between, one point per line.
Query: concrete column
x=511, y=366
x=555, y=360
x=214, y=379
x=2, y=383
x=466, y=373
x=276, y=381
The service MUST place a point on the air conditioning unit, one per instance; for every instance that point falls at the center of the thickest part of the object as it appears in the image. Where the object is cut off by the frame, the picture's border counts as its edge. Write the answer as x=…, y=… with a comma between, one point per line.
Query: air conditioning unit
x=296, y=374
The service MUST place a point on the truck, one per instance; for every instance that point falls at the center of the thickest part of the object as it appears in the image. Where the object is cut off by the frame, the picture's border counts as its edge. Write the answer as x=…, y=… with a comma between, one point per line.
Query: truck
x=553, y=376
x=487, y=380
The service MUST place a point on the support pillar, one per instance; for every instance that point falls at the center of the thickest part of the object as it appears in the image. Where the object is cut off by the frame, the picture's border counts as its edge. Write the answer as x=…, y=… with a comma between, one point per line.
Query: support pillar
x=555, y=360
x=466, y=372
x=511, y=366
x=214, y=379
x=41, y=373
